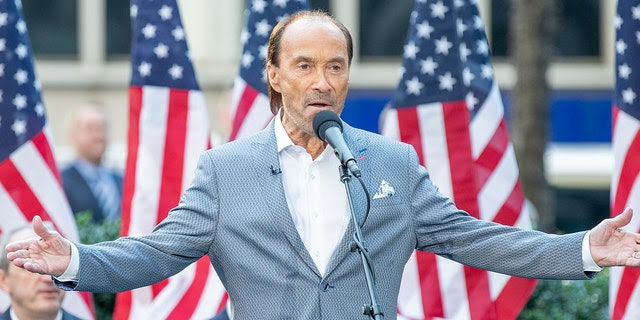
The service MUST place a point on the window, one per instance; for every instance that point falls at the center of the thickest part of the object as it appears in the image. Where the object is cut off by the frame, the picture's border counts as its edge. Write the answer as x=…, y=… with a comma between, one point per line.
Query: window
x=383, y=27
x=118, y=29
x=52, y=27
x=577, y=33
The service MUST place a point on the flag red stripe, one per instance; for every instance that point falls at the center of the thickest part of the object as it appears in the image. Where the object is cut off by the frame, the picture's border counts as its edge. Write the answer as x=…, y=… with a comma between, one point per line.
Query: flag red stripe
x=41, y=143
x=492, y=153
x=427, y=267
x=223, y=303
x=465, y=190
x=627, y=285
x=628, y=175
x=510, y=300
x=249, y=95
x=480, y=304
x=430, y=284
x=124, y=299
x=410, y=130
x=456, y=126
x=173, y=162
x=20, y=191
x=189, y=301
x=512, y=207
x=135, y=108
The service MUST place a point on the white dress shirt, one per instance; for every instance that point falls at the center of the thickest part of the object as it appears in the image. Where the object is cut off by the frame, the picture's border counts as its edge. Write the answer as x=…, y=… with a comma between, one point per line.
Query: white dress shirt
x=316, y=197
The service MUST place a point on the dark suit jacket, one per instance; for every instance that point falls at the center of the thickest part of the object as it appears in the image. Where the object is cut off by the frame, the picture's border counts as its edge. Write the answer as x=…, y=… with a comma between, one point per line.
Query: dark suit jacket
x=79, y=193
x=65, y=315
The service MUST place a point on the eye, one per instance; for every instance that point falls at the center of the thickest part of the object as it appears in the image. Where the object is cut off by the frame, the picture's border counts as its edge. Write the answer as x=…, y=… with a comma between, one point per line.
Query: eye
x=335, y=67
x=304, y=66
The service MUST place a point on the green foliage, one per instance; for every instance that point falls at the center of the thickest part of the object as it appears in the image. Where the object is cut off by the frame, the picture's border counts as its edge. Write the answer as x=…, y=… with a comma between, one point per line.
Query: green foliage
x=571, y=300
x=91, y=233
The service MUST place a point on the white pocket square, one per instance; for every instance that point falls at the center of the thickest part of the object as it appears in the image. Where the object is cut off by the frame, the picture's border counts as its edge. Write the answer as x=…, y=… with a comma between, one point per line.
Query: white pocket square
x=384, y=190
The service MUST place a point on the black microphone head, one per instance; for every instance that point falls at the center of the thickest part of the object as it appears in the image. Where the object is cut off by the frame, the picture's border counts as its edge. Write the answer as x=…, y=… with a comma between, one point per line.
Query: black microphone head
x=324, y=120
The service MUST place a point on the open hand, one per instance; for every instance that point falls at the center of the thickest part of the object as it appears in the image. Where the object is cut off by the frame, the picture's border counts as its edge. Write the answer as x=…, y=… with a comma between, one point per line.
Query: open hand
x=612, y=246
x=49, y=253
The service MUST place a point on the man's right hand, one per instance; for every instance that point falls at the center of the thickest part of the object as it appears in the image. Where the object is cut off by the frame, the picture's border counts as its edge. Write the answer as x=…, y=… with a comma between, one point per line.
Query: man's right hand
x=49, y=253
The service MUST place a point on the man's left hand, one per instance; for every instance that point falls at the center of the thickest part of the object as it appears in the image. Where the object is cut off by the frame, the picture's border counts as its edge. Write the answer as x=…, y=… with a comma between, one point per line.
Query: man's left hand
x=612, y=246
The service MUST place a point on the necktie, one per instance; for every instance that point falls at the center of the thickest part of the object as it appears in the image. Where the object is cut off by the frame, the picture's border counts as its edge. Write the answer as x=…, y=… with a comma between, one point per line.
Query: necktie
x=106, y=193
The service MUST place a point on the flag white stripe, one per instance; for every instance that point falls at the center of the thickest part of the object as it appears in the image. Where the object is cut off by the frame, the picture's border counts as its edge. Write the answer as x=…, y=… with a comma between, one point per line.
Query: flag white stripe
x=141, y=299
x=144, y=204
x=623, y=133
x=153, y=122
x=45, y=187
x=434, y=146
x=486, y=121
x=213, y=292
x=410, y=295
x=453, y=289
x=12, y=216
x=632, y=311
x=615, y=278
x=197, y=136
x=259, y=113
x=524, y=218
x=257, y=118
x=73, y=303
x=389, y=125
x=236, y=93
x=497, y=281
x=499, y=186
x=170, y=296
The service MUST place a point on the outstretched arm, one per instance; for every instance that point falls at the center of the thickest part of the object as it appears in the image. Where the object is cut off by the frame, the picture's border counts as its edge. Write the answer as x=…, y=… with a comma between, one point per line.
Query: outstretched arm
x=49, y=253
x=612, y=246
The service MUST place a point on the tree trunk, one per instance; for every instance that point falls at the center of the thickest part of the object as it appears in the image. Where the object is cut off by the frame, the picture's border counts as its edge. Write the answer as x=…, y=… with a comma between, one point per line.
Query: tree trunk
x=531, y=25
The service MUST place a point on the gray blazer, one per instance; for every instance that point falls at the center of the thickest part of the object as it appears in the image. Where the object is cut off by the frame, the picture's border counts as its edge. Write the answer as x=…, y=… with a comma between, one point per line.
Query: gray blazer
x=236, y=213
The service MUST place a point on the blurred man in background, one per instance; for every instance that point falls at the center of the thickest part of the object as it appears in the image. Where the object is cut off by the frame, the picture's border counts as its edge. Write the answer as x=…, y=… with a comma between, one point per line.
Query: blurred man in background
x=89, y=185
x=33, y=296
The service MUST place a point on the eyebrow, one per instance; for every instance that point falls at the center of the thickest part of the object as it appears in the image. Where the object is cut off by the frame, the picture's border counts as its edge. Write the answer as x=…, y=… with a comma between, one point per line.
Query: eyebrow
x=309, y=59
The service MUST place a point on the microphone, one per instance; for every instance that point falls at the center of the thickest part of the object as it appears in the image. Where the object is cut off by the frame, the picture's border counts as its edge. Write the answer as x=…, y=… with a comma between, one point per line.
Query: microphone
x=275, y=170
x=328, y=127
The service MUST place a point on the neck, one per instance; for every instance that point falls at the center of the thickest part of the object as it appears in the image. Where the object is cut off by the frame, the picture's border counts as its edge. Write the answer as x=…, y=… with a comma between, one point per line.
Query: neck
x=309, y=142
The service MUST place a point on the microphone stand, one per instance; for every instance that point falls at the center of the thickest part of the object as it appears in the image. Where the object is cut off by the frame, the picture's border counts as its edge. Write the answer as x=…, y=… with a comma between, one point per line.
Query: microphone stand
x=373, y=310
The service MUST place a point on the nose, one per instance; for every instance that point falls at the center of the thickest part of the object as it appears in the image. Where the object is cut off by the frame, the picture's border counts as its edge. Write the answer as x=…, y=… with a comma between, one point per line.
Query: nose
x=320, y=82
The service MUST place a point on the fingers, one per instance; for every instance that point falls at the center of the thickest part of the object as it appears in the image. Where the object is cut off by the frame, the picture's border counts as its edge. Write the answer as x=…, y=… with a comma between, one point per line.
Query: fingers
x=19, y=245
x=40, y=229
x=622, y=219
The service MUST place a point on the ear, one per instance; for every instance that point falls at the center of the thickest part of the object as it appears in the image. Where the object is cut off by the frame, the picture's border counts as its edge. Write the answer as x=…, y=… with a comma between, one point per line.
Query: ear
x=3, y=281
x=273, y=74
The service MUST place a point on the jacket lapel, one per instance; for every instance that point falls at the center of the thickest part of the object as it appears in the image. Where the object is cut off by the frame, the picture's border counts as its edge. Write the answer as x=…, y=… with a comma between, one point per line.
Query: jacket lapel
x=358, y=146
x=266, y=158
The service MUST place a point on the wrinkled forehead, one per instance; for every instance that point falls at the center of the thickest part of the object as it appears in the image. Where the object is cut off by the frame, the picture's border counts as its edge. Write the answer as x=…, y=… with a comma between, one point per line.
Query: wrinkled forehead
x=313, y=33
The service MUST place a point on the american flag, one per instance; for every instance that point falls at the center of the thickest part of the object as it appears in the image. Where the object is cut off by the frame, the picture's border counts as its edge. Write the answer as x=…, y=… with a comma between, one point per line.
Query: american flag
x=624, y=292
x=29, y=179
x=168, y=130
x=250, y=101
x=449, y=108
